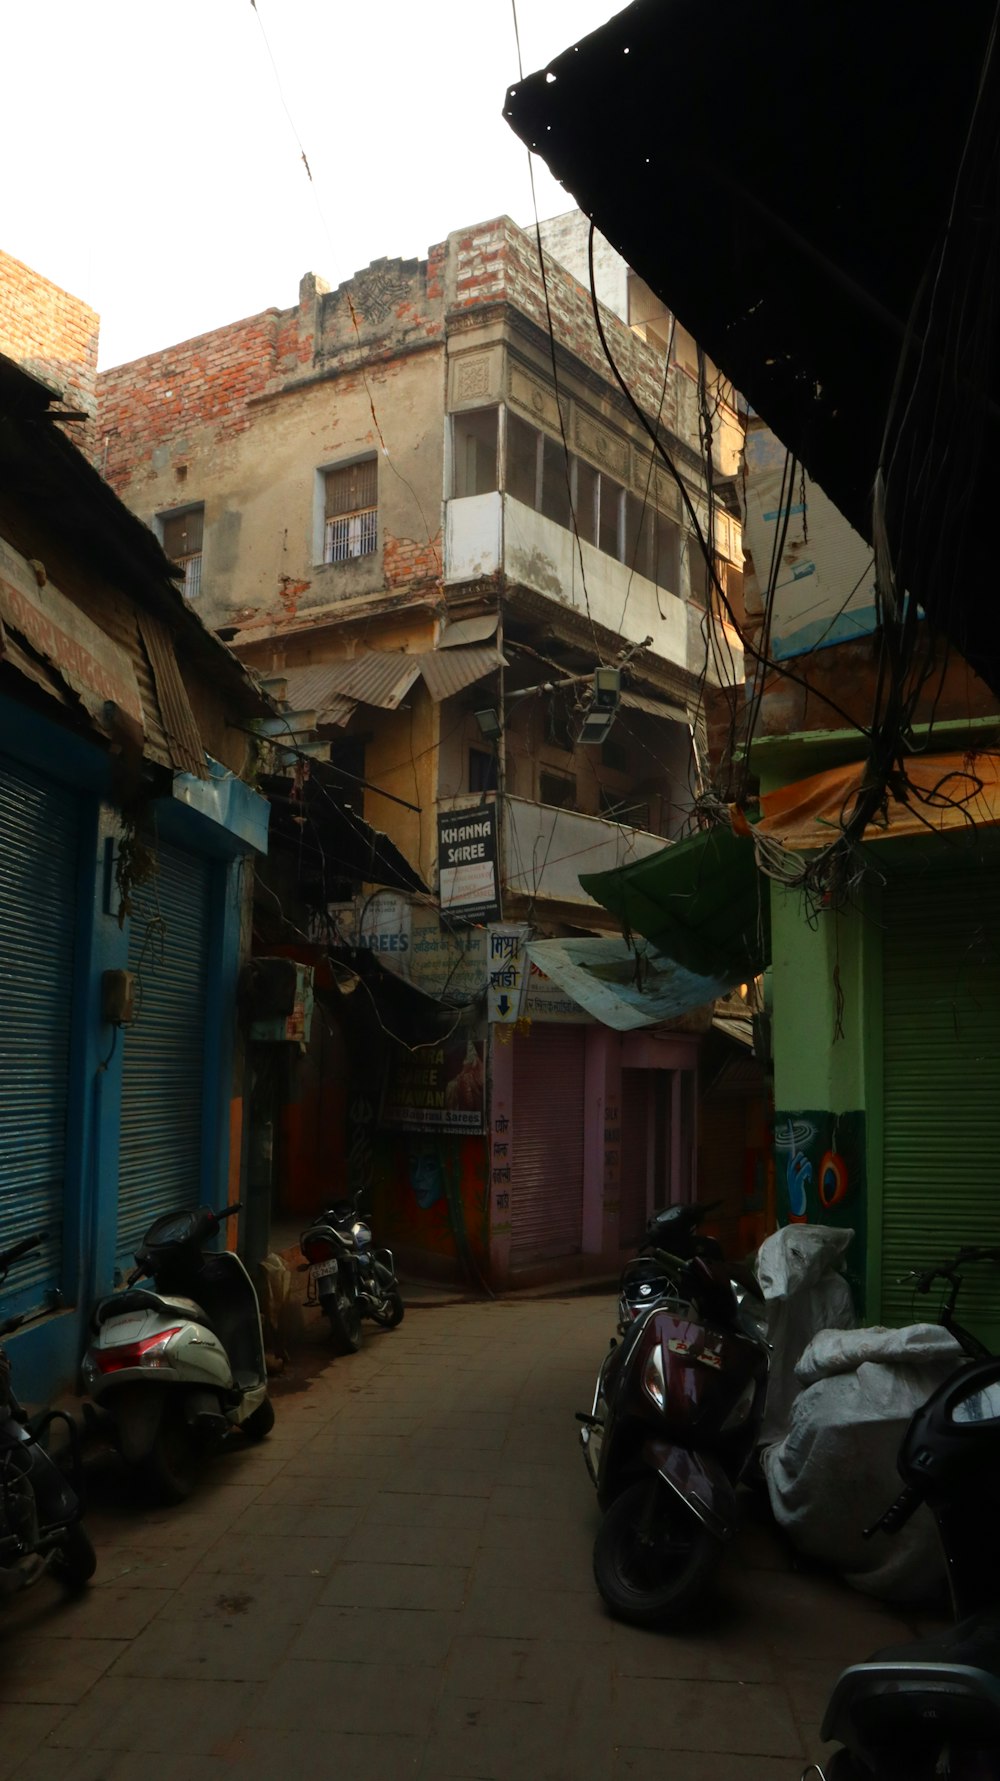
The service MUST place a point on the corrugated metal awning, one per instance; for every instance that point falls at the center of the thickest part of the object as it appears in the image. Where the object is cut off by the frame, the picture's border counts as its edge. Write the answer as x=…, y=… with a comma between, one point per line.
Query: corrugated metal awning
x=449, y=671
x=654, y=707
x=469, y=630
x=383, y=678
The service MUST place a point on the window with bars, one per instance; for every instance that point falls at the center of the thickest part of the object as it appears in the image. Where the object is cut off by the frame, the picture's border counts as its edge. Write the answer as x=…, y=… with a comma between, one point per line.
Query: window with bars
x=182, y=535
x=350, y=511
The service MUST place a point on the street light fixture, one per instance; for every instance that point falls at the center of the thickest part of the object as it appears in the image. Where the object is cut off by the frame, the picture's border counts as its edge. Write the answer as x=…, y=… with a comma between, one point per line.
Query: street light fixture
x=489, y=725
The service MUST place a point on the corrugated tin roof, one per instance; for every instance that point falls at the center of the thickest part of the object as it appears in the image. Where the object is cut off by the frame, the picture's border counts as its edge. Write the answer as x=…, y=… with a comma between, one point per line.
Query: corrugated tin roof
x=383, y=678
x=375, y=677
x=469, y=630
x=446, y=672
x=312, y=689
x=653, y=707
x=187, y=751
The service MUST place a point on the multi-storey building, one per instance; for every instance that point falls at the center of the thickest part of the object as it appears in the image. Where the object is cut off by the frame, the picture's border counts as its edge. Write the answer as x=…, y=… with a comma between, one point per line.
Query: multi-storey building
x=421, y=508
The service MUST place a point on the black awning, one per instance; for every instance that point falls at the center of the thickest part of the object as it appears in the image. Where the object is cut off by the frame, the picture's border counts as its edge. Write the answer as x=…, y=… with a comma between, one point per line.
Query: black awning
x=334, y=847
x=782, y=176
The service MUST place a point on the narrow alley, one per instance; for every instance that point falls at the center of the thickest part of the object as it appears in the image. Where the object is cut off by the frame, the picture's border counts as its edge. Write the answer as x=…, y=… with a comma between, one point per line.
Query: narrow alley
x=397, y=1583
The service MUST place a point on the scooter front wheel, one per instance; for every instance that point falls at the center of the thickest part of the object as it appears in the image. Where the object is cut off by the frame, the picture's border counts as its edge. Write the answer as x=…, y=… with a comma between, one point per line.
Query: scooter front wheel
x=653, y=1560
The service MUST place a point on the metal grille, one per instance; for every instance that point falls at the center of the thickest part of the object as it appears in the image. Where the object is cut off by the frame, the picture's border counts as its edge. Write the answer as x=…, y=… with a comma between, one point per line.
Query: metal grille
x=160, y=1161
x=39, y=851
x=546, y=1202
x=351, y=535
x=941, y=1167
x=192, y=575
x=352, y=487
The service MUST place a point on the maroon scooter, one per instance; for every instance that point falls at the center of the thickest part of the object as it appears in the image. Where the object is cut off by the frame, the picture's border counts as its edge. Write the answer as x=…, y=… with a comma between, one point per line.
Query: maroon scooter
x=672, y=1429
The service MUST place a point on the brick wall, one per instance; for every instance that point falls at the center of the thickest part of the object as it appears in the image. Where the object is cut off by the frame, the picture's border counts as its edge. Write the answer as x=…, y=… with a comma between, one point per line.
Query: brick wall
x=152, y=401
x=498, y=262
x=51, y=333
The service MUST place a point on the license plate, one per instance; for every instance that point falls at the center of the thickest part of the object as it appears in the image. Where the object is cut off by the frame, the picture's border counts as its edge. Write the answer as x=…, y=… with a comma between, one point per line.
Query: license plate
x=321, y=1269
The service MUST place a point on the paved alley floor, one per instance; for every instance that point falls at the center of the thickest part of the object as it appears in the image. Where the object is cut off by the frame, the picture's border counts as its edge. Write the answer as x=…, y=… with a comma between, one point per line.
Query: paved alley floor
x=397, y=1584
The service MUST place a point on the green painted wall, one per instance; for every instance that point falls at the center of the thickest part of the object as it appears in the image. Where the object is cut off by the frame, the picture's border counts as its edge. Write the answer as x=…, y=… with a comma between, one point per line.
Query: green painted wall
x=827, y=1045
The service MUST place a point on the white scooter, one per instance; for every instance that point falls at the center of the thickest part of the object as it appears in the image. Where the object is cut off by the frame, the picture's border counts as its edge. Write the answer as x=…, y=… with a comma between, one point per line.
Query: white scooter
x=176, y=1367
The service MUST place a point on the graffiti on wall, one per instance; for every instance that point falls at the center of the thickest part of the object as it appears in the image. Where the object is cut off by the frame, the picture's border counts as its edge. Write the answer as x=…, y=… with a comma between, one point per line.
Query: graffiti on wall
x=821, y=1174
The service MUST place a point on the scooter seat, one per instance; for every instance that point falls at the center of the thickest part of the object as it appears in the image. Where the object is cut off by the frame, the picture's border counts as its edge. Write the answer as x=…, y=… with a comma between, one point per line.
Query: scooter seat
x=946, y=1685
x=140, y=1299
x=974, y=1641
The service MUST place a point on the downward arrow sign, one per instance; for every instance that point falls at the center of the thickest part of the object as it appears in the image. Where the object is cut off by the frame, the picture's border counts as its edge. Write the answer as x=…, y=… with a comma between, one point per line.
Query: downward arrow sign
x=503, y=1003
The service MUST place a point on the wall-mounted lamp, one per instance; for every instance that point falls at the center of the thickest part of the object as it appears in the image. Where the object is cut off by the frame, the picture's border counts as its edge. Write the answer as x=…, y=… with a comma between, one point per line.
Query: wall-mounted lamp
x=489, y=725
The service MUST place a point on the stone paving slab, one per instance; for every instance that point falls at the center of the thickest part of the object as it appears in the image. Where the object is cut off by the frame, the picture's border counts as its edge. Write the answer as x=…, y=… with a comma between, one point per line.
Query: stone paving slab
x=398, y=1583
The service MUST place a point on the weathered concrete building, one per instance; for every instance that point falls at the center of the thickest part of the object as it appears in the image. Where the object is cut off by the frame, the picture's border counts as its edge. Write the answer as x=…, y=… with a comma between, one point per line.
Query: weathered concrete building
x=426, y=517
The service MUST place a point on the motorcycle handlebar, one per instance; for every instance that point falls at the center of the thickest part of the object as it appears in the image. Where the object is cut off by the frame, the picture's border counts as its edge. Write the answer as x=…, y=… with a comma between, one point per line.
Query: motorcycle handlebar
x=9, y=1256
x=229, y=1211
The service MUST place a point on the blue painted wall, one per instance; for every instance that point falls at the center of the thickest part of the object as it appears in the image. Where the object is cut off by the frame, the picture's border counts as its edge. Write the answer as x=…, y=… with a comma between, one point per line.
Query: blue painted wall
x=225, y=821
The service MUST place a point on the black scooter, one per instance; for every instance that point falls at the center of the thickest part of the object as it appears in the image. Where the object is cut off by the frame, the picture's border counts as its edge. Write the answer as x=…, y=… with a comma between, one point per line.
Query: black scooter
x=348, y=1278
x=40, y=1509
x=930, y=1710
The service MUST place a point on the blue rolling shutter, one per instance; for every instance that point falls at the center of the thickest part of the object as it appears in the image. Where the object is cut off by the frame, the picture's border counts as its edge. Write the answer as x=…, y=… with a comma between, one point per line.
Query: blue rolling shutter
x=39, y=856
x=160, y=1160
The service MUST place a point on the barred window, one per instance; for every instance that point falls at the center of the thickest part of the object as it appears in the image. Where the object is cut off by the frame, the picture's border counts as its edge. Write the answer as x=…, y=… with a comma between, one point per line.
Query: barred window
x=182, y=534
x=350, y=511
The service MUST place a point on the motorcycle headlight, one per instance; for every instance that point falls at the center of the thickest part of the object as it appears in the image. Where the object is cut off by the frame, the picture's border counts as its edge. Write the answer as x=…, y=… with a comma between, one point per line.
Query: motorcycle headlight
x=653, y=1382
x=361, y=1234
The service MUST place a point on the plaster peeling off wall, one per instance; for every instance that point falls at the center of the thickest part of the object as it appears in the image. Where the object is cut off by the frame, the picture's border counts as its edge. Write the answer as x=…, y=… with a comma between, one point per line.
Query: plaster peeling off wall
x=825, y=578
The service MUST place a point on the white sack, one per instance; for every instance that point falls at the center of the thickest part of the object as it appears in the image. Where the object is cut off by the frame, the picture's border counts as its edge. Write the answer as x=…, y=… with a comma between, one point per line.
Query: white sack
x=835, y=1472
x=797, y=1270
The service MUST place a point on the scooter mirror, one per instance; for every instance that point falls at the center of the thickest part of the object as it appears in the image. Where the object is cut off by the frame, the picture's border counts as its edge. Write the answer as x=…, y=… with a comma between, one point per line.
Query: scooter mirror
x=982, y=1404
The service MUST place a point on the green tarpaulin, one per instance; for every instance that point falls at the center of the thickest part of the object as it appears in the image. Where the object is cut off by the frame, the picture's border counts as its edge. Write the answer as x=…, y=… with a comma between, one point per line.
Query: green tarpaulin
x=701, y=902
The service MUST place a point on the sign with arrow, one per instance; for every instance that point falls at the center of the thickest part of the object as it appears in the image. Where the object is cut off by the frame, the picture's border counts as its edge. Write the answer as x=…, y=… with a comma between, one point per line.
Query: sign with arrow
x=507, y=969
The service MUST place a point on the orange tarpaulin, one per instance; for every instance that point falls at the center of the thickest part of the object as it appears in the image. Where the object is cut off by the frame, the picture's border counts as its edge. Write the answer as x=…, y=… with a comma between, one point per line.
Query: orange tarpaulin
x=946, y=791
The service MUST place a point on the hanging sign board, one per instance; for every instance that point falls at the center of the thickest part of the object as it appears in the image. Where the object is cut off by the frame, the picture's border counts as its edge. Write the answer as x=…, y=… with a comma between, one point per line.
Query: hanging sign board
x=467, y=863
x=507, y=968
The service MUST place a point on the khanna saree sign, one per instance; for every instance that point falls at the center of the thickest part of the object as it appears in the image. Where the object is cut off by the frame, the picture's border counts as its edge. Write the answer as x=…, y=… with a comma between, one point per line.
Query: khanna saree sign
x=467, y=863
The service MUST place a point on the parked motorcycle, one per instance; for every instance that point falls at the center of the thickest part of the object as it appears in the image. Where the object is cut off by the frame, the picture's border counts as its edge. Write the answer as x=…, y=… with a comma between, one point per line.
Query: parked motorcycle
x=931, y=1709
x=178, y=1367
x=41, y=1528
x=348, y=1278
x=672, y=1235
x=672, y=1429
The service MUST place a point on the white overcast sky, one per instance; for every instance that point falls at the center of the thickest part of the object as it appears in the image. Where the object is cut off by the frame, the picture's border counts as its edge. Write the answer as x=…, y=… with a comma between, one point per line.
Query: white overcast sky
x=149, y=165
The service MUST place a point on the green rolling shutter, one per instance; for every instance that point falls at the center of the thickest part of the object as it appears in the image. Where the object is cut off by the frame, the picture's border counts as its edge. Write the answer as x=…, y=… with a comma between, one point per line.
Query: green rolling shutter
x=941, y=1125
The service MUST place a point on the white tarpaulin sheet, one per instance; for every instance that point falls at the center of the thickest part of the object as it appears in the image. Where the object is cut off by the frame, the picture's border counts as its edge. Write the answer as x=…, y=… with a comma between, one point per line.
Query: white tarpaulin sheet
x=834, y=1473
x=798, y=1270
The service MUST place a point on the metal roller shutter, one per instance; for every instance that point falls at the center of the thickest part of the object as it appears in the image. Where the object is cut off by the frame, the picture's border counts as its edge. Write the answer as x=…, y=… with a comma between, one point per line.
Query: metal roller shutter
x=160, y=1162
x=941, y=1168
x=546, y=1202
x=39, y=857
x=634, y=1151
